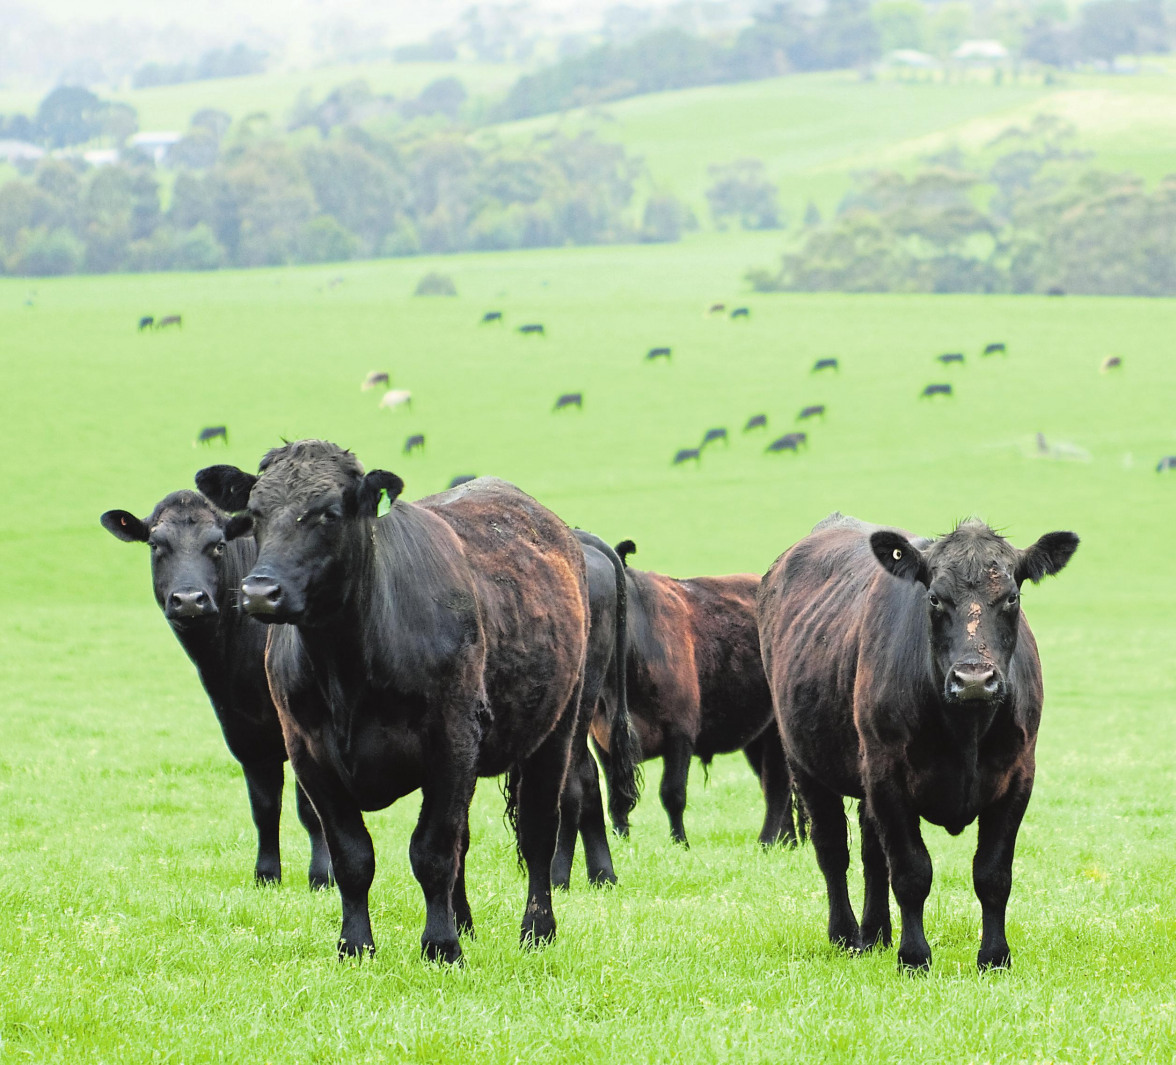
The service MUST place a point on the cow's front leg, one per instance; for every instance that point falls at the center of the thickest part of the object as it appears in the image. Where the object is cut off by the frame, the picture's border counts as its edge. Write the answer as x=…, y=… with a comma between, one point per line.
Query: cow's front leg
x=910, y=868
x=992, y=871
x=319, y=873
x=263, y=780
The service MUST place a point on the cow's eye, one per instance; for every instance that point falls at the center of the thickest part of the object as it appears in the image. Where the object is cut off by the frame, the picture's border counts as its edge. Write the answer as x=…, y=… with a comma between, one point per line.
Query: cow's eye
x=331, y=514
x=218, y=548
x=935, y=601
x=1013, y=599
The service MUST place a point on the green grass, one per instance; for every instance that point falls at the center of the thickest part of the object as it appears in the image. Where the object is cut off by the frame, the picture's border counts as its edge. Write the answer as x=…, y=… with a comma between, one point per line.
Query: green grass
x=129, y=930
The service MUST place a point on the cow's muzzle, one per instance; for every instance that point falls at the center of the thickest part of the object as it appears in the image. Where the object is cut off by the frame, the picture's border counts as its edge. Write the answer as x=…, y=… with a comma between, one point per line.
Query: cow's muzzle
x=183, y=604
x=973, y=682
x=262, y=596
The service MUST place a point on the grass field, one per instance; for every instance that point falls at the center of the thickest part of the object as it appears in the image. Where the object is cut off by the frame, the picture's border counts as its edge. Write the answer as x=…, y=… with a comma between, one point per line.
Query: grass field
x=129, y=927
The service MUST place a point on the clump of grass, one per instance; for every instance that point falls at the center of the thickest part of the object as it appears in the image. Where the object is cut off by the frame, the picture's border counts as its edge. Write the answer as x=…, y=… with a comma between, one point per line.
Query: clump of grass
x=435, y=284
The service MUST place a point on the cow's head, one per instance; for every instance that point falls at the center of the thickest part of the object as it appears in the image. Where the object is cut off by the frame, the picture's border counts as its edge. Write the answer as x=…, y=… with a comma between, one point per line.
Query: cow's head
x=973, y=581
x=311, y=509
x=187, y=536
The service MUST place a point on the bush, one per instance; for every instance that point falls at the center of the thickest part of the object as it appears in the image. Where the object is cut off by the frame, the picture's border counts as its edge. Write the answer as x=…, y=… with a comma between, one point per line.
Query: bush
x=48, y=254
x=325, y=240
x=198, y=249
x=435, y=284
x=665, y=219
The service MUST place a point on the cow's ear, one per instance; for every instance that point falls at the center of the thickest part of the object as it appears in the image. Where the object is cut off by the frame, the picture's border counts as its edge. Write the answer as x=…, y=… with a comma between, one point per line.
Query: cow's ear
x=367, y=496
x=1046, y=557
x=895, y=553
x=226, y=486
x=124, y=525
x=238, y=525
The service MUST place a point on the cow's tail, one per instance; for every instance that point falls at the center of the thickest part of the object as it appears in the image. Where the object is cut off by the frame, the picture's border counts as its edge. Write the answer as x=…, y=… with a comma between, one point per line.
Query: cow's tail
x=510, y=792
x=623, y=772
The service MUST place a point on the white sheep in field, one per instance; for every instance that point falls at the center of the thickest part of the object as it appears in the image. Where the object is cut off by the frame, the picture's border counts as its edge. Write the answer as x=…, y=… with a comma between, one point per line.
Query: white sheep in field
x=396, y=397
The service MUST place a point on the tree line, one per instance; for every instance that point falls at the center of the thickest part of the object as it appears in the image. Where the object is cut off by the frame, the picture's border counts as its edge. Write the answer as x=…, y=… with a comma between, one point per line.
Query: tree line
x=1027, y=214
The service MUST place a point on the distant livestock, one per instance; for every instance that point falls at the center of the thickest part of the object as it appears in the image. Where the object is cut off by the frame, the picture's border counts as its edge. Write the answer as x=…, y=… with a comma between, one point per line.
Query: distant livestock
x=936, y=390
x=492, y=316
x=714, y=434
x=997, y=348
x=826, y=364
x=685, y=454
x=907, y=677
x=211, y=433
x=375, y=379
x=658, y=353
x=460, y=479
x=741, y=312
x=716, y=308
x=787, y=442
x=414, y=442
x=569, y=399
x=146, y=322
x=169, y=319
x=756, y=421
x=951, y=356
x=1111, y=362
x=533, y=327
x=396, y=397
x=815, y=411
x=1168, y=462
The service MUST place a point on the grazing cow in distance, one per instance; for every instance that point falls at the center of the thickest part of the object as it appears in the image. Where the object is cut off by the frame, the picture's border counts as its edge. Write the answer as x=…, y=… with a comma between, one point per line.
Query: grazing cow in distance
x=696, y=687
x=787, y=442
x=657, y=353
x=1168, y=462
x=817, y=410
x=741, y=312
x=935, y=390
x=1111, y=362
x=996, y=348
x=197, y=561
x=146, y=322
x=905, y=675
x=712, y=435
x=492, y=316
x=580, y=806
x=396, y=397
x=417, y=440
x=569, y=399
x=685, y=454
x=422, y=649
x=211, y=433
x=169, y=319
x=756, y=421
x=533, y=327
x=460, y=479
x=375, y=378
x=716, y=308
x=826, y=364
x=952, y=356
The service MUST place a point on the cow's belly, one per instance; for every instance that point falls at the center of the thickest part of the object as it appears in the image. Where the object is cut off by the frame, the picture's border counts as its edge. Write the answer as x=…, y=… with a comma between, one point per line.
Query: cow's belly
x=381, y=764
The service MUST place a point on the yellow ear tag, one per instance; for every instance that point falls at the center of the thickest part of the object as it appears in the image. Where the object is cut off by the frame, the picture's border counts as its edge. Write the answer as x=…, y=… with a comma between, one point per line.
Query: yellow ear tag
x=384, y=505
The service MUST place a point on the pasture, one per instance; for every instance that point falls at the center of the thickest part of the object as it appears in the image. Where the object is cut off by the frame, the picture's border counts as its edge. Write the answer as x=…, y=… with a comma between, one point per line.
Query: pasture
x=130, y=929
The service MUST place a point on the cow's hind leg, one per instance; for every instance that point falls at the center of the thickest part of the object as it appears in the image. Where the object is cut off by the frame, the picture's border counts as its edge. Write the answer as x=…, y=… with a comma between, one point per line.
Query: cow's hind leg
x=678, y=751
x=462, y=916
x=766, y=755
x=992, y=872
x=827, y=830
x=263, y=780
x=320, y=858
x=876, y=910
x=620, y=824
x=581, y=810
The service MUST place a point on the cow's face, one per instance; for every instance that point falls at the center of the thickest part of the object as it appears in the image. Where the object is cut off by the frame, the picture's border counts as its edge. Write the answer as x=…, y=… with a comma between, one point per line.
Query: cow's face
x=187, y=537
x=972, y=579
x=311, y=511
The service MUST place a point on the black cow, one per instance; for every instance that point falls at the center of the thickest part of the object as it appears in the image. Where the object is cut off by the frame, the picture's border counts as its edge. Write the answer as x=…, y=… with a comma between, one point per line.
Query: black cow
x=169, y=319
x=685, y=454
x=1111, y=362
x=756, y=421
x=657, y=353
x=716, y=308
x=441, y=642
x=997, y=348
x=935, y=390
x=904, y=674
x=417, y=440
x=580, y=804
x=146, y=322
x=951, y=356
x=533, y=327
x=826, y=364
x=696, y=687
x=816, y=410
x=211, y=433
x=197, y=561
x=569, y=399
x=712, y=435
x=787, y=442
x=1168, y=462
x=462, y=478
x=492, y=316
x=741, y=312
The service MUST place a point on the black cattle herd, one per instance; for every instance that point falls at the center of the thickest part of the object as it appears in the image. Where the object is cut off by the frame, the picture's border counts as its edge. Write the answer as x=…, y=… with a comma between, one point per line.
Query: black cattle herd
x=385, y=647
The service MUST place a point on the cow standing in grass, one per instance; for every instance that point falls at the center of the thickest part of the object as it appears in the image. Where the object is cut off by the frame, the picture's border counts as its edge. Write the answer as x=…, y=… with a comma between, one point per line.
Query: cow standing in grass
x=696, y=686
x=441, y=642
x=904, y=674
x=197, y=561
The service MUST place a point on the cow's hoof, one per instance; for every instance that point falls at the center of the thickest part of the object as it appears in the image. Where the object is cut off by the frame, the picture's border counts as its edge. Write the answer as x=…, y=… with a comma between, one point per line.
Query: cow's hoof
x=348, y=949
x=265, y=877
x=914, y=963
x=994, y=959
x=876, y=938
x=448, y=953
x=537, y=933
x=321, y=881
x=602, y=878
